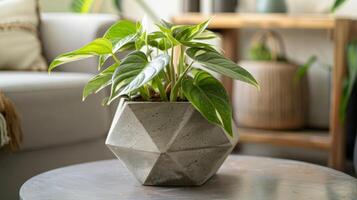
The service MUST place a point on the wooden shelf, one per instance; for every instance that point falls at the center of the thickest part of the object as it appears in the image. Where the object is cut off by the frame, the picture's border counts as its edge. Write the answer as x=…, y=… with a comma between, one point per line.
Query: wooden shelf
x=313, y=139
x=343, y=29
x=235, y=20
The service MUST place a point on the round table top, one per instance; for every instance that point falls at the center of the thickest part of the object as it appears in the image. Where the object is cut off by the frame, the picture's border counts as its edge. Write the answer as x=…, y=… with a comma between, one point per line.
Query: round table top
x=240, y=177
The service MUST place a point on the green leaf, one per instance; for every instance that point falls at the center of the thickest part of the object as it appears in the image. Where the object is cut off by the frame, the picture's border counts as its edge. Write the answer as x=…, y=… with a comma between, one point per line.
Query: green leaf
x=344, y=100
x=200, y=45
x=302, y=70
x=216, y=62
x=134, y=72
x=99, y=46
x=120, y=30
x=168, y=33
x=129, y=67
x=337, y=4
x=260, y=51
x=185, y=33
x=147, y=73
x=210, y=98
x=120, y=45
x=81, y=6
x=126, y=43
x=122, y=34
x=100, y=81
x=159, y=40
x=166, y=24
x=140, y=41
x=350, y=81
x=159, y=87
x=352, y=64
x=205, y=35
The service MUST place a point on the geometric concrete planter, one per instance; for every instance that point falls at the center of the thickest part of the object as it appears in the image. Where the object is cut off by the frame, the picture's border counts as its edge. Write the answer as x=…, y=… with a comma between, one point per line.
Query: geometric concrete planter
x=168, y=144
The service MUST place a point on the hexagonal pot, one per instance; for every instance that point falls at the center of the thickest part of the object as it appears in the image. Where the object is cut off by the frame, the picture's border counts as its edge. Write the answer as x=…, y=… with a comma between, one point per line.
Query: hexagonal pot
x=168, y=144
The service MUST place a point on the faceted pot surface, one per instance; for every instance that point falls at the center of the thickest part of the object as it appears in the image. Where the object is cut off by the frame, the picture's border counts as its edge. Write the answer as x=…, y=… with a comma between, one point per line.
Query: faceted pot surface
x=168, y=143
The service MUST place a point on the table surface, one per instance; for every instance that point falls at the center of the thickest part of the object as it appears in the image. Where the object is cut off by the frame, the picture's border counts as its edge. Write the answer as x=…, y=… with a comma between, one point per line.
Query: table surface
x=240, y=177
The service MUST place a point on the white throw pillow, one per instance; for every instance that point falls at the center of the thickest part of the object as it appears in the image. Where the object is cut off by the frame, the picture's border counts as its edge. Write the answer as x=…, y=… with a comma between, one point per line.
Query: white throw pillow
x=20, y=47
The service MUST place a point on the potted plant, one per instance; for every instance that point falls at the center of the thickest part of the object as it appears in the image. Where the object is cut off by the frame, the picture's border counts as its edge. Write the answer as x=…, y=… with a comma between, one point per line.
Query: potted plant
x=173, y=125
x=281, y=102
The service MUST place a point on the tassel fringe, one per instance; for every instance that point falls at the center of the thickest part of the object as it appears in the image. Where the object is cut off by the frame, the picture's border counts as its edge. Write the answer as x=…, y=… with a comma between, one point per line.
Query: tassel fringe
x=12, y=124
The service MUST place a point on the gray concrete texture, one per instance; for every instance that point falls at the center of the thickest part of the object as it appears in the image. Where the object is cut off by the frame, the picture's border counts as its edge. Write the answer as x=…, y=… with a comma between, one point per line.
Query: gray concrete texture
x=168, y=143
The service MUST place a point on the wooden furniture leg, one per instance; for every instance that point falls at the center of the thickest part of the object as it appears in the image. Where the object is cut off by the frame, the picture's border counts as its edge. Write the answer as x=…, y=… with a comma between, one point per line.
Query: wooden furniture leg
x=337, y=133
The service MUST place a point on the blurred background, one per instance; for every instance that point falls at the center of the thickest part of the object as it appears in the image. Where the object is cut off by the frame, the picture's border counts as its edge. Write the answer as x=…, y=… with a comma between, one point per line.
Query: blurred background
x=294, y=116
x=300, y=45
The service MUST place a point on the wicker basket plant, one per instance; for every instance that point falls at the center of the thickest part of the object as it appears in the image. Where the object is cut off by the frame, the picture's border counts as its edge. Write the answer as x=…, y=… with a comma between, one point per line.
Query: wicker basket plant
x=281, y=102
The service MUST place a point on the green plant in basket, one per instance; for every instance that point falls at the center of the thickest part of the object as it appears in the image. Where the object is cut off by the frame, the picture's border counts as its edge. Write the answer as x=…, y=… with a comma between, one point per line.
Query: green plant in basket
x=150, y=72
x=267, y=45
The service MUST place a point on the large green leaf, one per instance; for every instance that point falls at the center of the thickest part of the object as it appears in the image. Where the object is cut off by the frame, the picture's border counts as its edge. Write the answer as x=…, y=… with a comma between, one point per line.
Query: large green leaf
x=147, y=73
x=129, y=67
x=205, y=35
x=121, y=34
x=168, y=33
x=200, y=45
x=100, y=81
x=126, y=43
x=218, y=63
x=99, y=46
x=185, y=33
x=210, y=98
x=120, y=30
x=135, y=71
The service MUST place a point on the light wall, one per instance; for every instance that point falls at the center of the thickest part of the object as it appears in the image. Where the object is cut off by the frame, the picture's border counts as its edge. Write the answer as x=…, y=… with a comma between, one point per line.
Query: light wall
x=64, y=6
x=167, y=8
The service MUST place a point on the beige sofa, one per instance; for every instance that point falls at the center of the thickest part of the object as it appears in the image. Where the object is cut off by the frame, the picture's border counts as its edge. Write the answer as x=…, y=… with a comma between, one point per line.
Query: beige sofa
x=59, y=129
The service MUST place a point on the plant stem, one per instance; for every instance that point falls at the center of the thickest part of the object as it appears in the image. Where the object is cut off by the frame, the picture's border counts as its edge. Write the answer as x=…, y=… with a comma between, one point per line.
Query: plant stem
x=144, y=93
x=115, y=58
x=181, y=66
x=173, y=95
x=161, y=89
x=168, y=71
x=181, y=60
x=172, y=68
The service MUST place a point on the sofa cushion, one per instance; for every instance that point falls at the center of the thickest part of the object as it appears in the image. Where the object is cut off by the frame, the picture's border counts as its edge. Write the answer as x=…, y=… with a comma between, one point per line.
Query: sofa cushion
x=20, y=47
x=59, y=36
x=52, y=110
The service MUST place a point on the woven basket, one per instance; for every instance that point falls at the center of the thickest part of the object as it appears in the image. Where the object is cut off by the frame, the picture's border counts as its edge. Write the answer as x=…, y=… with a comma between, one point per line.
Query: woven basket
x=281, y=102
